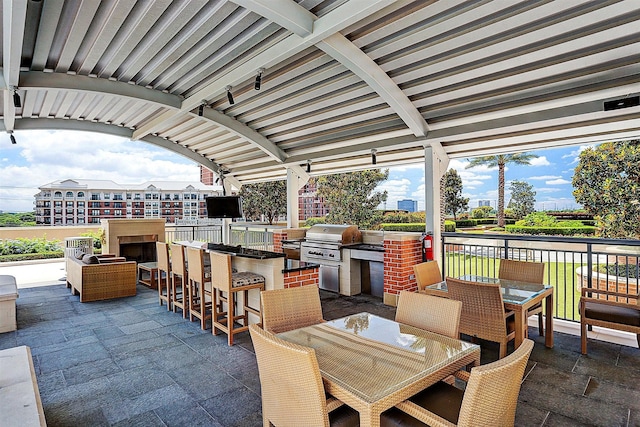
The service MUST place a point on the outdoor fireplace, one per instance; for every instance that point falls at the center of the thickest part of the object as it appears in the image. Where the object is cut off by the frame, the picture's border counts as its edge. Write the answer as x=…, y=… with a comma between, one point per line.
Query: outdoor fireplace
x=134, y=239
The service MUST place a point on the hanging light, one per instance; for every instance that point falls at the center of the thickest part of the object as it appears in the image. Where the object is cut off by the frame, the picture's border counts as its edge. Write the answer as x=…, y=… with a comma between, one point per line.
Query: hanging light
x=229, y=95
x=374, y=158
x=258, y=79
x=16, y=99
x=201, y=110
x=12, y=138
x=308, y=166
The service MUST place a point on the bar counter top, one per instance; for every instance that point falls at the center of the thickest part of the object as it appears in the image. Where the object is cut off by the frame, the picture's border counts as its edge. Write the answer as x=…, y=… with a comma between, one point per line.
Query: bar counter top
x=244, y=252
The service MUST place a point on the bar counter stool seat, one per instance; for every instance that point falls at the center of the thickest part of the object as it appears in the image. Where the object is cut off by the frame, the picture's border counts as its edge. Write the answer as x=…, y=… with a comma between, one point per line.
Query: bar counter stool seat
x=226, y=285
x=200, y=290
x=164, y=274
x=179, y=280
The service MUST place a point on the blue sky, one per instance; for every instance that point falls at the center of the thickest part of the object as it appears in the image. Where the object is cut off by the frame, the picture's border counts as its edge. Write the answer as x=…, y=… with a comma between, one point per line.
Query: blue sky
x=41, y=157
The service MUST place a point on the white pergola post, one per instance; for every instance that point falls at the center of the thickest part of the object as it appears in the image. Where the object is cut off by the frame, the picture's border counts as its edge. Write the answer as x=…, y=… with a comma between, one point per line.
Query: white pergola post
x=294, y=183
x=435, y=165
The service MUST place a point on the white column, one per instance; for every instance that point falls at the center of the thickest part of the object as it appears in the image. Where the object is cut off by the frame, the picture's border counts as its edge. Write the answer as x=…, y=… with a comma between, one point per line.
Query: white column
x=294, y=183
x=436, y=162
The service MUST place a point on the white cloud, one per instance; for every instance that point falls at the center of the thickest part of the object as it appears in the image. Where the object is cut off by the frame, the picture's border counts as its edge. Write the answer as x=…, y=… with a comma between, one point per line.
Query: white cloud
x=560, y=181
x=539, y=161
x=548, y=190
x=42, y=157
x=576, y=153
x=543, y=177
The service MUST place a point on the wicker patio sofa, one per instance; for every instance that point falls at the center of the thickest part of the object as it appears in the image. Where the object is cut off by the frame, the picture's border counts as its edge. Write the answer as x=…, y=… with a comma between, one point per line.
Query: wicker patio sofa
x=101, y=277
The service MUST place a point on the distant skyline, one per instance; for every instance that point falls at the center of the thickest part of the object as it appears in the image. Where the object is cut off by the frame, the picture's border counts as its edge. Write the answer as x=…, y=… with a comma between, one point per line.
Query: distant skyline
x=41, y=157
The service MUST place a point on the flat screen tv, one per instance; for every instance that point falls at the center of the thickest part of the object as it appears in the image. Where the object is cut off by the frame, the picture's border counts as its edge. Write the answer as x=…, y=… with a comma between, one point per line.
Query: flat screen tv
x=224, y=207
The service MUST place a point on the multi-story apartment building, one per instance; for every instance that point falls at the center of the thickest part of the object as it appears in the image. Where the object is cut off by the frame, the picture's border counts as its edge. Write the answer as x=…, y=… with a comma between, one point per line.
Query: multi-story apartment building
x=81, y=201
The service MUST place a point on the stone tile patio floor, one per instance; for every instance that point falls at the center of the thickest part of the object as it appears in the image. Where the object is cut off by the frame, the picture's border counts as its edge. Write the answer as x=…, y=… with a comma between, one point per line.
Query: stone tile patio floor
x=130, y=362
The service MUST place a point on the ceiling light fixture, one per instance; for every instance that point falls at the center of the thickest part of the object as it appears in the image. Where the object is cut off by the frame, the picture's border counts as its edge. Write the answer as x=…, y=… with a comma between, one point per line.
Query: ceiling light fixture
x=308, y=166
x=374, y=158
x=229, y=95
x=13, y=138
x=201, y=110
x=16, y=99
x=258, y=79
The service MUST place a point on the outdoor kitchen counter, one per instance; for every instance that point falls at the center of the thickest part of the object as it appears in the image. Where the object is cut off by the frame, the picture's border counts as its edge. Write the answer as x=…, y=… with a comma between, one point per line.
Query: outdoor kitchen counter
x=291, y=265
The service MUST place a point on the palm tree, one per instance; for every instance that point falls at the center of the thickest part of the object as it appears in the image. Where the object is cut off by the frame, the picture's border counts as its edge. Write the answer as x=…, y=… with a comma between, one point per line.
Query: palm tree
x=500, y=161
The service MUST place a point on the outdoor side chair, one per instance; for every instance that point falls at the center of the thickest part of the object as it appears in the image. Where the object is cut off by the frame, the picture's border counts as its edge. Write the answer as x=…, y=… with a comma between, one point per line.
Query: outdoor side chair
x=483, y=315
x=435, y=314
x=290, y=308
x=291, y=385
x=489, y=399
x=525, y=271
x=427, y=273
x=200, y=296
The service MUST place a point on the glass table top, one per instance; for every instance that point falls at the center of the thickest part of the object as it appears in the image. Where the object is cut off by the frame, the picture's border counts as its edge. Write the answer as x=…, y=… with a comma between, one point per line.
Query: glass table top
x=372, y=356
x=513, y=291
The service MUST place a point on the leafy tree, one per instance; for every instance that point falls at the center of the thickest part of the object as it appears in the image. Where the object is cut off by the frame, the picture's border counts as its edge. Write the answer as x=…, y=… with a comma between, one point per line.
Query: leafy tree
x=20, y=219
x=351, y=199
x=523, y=199
x=501, y=161
x=264, y=198
x=482, y=212
x=453, y=200
x=607, y=183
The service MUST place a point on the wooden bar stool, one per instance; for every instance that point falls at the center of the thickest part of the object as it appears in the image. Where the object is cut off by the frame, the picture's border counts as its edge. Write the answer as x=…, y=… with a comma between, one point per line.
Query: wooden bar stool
x=226, y=285
x=200, y=296
x=179, y=280
x=164, y=274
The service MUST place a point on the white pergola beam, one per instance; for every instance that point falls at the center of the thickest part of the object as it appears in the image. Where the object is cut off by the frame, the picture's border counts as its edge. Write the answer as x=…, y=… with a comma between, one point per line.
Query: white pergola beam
x=285, y=13
x=14, y=15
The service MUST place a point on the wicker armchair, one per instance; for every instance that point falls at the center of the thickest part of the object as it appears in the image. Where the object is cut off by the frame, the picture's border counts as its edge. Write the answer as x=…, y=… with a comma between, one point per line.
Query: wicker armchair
x=164, y=274
x=525, y=271
x=291, y=308
x=483, y=314
x=489, y=400
x=435, y=314
x=291, y=385
x=427, y=273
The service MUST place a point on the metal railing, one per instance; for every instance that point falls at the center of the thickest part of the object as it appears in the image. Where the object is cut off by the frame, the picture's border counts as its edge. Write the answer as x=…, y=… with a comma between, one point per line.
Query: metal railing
x=571, y=263
x=255, y=236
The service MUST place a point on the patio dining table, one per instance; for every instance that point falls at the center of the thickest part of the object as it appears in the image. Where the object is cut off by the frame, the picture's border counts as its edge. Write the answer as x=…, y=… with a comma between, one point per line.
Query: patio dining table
x=371, y=363
x=518, y=297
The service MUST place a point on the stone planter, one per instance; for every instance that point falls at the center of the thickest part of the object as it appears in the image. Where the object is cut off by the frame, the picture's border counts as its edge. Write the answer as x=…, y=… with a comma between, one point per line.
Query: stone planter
x=607, y=282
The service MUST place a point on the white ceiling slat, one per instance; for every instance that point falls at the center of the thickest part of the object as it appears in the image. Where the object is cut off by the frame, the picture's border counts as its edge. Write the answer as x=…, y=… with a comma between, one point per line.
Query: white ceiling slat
x=285, y=13
x=144, y=15
x=104, y=33
x=84, y=16
x=52, y=10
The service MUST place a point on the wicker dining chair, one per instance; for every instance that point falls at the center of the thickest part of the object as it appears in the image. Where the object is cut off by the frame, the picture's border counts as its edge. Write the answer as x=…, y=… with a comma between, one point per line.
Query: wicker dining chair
x=489, y=399
x=179, y=279
x=483, y=315
x=164, y=274
x=200, y=295
x=427, y=273
x=525, y=271
x=435, y=314
x=290, y=308
x=226, y=285
x=291, y=385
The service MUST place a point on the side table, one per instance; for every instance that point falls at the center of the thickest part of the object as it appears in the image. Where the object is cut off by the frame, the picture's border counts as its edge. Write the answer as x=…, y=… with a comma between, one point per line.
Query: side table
x=148, y=274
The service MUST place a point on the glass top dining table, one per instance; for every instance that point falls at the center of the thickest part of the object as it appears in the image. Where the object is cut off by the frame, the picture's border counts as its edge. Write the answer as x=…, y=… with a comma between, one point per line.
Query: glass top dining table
x=518, y=297
x=372, y=363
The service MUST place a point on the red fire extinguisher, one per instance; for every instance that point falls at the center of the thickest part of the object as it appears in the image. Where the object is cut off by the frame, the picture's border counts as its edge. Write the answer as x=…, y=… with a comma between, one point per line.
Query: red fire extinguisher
x=427, y=247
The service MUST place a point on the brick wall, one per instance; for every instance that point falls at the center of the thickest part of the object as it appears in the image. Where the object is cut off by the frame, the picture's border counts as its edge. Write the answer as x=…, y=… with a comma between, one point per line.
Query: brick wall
x=399, y=258
x=295, y=279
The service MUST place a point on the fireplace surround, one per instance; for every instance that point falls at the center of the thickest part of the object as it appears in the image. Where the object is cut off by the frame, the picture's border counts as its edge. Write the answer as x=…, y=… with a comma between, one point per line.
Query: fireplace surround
x=134, y=239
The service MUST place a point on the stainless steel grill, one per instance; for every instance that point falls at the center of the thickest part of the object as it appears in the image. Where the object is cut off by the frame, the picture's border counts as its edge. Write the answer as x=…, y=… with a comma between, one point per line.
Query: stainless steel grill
x=323, y=245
